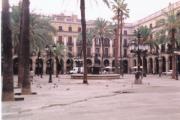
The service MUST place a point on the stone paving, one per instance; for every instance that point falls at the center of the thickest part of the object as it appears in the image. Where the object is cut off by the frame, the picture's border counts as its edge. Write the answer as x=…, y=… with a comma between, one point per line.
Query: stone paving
x=66, y=99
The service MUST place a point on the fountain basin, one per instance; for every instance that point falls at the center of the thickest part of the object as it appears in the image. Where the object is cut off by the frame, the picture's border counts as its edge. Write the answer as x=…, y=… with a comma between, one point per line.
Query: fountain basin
x=96, y=76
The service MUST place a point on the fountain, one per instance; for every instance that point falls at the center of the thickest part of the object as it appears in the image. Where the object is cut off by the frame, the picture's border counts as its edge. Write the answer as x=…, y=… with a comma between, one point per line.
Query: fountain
x=96, y=68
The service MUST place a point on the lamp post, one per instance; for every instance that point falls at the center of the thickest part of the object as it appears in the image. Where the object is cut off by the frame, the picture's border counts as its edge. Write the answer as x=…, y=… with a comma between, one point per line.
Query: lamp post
x=160, y=63
x=39, y=65
x=78, y=64
x=138, y=48
x=49, y=49
x=177, y=53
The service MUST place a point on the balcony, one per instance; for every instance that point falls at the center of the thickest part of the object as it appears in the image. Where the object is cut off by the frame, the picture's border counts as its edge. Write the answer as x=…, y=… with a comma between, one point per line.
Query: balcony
x=79, y=43
x=97, y=44
x=70, y=43
x=106, y=45
x=125, y=45
x=106, y=56
x=60, y=42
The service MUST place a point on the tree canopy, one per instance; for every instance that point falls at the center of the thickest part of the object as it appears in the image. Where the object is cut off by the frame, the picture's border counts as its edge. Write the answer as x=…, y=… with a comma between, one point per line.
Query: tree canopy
x=40, y=30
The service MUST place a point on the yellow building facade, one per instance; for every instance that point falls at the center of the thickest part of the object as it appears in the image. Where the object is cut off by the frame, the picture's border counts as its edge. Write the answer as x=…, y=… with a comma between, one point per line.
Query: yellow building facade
x=69, y=27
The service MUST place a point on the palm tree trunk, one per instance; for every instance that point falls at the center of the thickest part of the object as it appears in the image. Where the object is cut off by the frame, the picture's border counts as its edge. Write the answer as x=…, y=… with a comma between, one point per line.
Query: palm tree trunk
x=116, y=51
x=102, y=47
x=57, y=66
x=26, y=88
x=83, y=24
x=8, y=88
x=121, y=66
x=173, y=55
x=117, y=42
x=20, y=66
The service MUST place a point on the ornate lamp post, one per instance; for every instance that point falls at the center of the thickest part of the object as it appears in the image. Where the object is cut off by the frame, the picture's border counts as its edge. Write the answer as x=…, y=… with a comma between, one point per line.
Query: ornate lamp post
x=160, y=62
x=39, y=66
x=49, y=49
x=177, y=53
x=138, y=48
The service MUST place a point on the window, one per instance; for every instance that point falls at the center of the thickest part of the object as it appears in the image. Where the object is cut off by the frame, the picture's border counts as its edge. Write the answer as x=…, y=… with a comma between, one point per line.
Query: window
x=97, y=50
x=125, y=32
x=60, y=40
x=106, y=52
x=125, y=42
x=114, y=52
x=97, y=41
x=79, y=50
x=70, y=40
x=88, y=52
x=125, y=52
x=162, y=48
x=106, y=42
x=70, y=29
x=60, y=28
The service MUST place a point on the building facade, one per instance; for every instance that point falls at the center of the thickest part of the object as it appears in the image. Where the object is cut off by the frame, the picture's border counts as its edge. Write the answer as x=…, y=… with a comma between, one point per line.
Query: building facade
x=157, y=60
x=69, y=27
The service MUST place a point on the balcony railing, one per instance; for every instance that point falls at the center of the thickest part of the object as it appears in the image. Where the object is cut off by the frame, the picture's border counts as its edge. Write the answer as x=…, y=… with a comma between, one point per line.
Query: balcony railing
x=60, y=42
x=97, y=44
x=70, y=43
x=125, y=45
x=106, y=56
x=106, y=44
x=79, y=43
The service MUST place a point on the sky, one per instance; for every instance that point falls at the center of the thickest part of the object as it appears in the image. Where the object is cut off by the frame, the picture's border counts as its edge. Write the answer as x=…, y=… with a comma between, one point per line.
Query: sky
x=96, y=8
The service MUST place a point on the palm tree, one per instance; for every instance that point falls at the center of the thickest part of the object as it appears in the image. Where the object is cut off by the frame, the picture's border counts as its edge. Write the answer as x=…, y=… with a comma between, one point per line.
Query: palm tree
x=145, y=32
x=121, y=12
x=15, y=21
x=25, y=48
x=103, y=29
x=83, y=24
x=171, y=24
x=59, y=53
x=90, y=33
x=40, y=30
x=8, y=88
x=40, y=34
